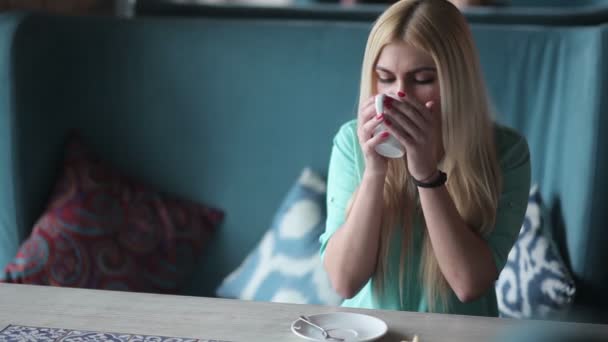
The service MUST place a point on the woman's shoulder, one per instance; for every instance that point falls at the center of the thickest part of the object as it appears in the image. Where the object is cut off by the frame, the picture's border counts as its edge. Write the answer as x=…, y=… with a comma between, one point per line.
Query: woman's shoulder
x=347, y=133
x=512, y=146
x=346, y=146
x=348, y=128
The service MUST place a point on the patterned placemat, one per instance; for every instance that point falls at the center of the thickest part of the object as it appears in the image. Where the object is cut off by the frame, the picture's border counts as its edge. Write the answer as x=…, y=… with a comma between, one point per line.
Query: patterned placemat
x=19, y=333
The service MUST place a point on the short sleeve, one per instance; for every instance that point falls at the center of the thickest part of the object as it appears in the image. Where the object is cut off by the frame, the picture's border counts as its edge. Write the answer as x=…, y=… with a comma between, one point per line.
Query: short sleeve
x=343, y=177
x=514, y=157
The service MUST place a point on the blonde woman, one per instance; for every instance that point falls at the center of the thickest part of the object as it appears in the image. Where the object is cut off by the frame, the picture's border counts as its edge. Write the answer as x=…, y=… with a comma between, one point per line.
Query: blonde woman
x=429, y=231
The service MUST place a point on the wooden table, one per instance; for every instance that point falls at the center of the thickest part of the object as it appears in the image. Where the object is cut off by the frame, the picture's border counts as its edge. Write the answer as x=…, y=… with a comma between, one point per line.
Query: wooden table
x=232, y=320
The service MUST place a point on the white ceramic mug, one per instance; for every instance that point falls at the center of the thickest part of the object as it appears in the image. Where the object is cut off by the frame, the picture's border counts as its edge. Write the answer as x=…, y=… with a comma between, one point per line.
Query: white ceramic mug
x=390, y=148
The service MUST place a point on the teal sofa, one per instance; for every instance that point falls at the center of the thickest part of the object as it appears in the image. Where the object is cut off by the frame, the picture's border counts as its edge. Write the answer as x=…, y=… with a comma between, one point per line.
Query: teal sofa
x=229, y=111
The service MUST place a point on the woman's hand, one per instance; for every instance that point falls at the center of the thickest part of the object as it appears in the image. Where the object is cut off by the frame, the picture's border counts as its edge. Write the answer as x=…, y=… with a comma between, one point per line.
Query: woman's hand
x=368, y=120
x=418, y=129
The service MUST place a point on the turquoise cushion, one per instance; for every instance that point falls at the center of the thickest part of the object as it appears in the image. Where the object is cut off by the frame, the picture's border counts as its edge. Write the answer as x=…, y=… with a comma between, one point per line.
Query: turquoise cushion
x=536, y=282
x=286, y=266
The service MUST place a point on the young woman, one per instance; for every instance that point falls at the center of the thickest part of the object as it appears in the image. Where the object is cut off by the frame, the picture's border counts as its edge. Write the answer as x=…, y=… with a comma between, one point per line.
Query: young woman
x=429, y=231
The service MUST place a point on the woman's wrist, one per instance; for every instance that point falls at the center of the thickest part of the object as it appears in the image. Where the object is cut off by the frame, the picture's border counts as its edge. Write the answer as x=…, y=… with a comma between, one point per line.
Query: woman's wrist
x=429, y=178
x=374, y=176
x=434, y=181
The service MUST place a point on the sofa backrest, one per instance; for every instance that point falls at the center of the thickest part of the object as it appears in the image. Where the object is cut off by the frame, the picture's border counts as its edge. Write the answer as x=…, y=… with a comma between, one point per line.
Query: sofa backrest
x=223, y=112
x=529, y=12
x=228, y=112
x=552, y=89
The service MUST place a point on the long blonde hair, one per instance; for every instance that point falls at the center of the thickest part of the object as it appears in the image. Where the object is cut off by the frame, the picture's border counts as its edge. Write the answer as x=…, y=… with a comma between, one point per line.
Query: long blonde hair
x=474, y=180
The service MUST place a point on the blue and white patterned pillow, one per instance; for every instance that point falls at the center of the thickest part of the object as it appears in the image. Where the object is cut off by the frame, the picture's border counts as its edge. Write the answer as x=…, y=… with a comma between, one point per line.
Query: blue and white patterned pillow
x=535, y=283
x=286, y=266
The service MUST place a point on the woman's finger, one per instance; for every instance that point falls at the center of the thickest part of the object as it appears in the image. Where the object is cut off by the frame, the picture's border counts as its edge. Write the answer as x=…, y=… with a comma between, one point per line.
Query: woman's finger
x=367, y=110
x=413, y=113
x=404, y=138
x=405, y=123
x=422, y=110
x=430, y=106
x=396, y=124
x=369, y=127
x=377, y=140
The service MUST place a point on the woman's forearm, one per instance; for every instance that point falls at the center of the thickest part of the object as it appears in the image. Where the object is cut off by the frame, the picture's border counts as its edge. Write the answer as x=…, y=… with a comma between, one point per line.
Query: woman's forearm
x=464, y=258
x=351, y=253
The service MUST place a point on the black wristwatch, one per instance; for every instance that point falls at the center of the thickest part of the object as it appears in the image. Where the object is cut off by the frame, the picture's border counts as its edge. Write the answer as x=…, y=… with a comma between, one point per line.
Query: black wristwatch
x=437, y=182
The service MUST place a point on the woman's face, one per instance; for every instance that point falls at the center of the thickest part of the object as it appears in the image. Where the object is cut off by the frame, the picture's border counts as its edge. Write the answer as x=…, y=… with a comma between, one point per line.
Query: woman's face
x=404, y=68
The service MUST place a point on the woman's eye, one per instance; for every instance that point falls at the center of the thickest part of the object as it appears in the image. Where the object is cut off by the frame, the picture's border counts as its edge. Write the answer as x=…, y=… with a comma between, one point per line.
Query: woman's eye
x=425, y=80
x=385, y=80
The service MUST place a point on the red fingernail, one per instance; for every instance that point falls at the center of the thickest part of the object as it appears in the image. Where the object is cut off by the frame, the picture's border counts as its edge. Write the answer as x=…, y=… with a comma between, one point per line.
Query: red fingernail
x=384, y=134
x=379, y=116
x=388, y=122
x=401, y=94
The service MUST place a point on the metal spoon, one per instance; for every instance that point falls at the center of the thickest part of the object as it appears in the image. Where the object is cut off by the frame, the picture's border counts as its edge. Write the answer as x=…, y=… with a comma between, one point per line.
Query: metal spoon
x=323, y=331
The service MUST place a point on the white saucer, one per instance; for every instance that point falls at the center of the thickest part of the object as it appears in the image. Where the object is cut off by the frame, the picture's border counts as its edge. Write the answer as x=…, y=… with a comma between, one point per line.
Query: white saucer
x=352, y=327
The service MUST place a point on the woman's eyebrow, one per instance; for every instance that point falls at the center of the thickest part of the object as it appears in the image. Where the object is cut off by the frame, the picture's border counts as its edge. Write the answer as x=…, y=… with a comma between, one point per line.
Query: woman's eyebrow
x=413, y=71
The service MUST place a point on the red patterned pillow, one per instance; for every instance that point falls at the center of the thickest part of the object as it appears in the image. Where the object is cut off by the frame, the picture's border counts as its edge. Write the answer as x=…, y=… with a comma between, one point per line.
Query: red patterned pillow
x=103, y=230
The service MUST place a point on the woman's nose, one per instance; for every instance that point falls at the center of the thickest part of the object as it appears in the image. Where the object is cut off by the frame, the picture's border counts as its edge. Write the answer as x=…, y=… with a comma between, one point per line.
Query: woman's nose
x=400, y=89
x=392, y=91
